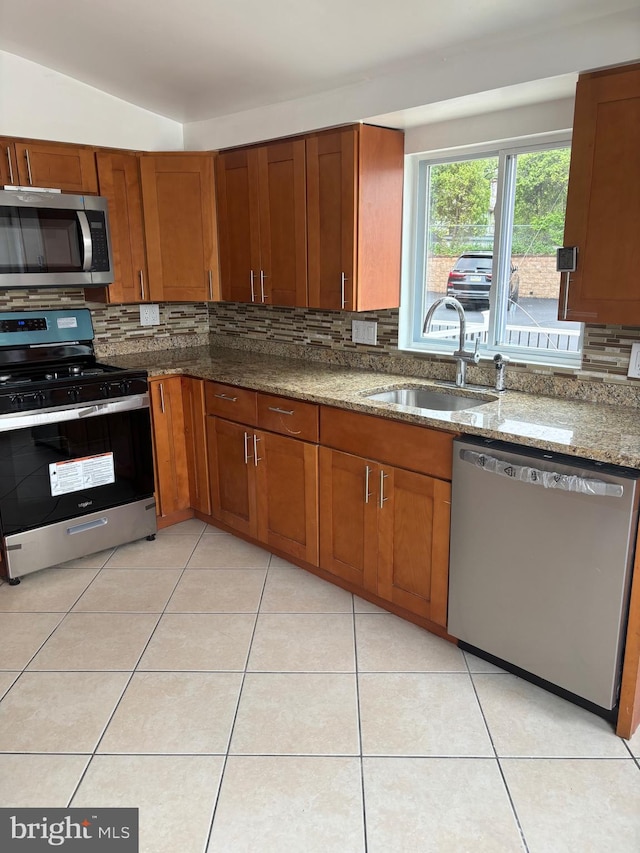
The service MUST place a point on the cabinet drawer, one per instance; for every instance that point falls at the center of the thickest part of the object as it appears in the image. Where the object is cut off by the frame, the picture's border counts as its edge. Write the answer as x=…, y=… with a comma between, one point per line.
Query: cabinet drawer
x=289, y=417
x=416, y=448
x=234, y=404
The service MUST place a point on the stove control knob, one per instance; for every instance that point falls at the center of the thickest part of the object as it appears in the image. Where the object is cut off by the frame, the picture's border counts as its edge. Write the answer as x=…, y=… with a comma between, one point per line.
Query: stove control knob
x=104, y=389
x=17, y=399
x=74, y=394
x=39, y=398
x=125, y=385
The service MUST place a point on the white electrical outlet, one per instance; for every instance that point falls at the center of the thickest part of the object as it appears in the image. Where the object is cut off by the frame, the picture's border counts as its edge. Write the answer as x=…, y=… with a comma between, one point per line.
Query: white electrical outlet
x=149, y=315
x=364, y=332
x=634, y=363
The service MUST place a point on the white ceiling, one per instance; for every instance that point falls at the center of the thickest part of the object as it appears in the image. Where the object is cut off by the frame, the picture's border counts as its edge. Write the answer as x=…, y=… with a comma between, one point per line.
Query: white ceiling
x=200, y=59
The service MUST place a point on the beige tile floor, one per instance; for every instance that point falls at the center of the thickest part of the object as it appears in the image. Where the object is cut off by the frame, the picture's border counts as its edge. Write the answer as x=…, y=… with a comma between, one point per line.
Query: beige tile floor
x=244, y=705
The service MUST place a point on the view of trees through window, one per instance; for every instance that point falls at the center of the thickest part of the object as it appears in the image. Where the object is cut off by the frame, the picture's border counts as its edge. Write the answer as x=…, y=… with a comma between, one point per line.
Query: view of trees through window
x=461, y=201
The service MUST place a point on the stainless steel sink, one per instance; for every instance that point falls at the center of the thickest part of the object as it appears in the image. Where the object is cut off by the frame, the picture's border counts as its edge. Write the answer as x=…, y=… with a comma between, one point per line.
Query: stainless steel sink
x=428, y=398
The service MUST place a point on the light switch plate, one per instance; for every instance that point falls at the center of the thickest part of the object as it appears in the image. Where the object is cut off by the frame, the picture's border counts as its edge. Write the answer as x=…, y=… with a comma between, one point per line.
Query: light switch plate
x=634, y=362
x=149, y=315
x=364, y=332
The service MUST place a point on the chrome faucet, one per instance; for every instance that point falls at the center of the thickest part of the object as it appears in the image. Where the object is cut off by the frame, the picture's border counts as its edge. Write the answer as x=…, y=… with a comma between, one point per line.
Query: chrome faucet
x=463, y=356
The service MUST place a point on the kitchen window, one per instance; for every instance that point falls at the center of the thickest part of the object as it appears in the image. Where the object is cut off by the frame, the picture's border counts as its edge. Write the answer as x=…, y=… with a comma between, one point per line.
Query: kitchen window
x=484, y=228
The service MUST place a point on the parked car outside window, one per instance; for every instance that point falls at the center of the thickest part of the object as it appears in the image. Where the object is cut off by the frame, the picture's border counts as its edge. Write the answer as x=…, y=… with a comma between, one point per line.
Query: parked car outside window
x=470, y=281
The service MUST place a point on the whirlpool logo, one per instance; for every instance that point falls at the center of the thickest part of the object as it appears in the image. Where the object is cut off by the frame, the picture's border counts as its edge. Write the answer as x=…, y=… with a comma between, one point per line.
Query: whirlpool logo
x=83, y=831
x=85, y=504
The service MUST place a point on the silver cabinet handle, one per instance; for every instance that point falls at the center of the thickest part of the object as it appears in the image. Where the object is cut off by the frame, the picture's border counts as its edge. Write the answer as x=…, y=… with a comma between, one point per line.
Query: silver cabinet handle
x=253, y=293
x=10, y=165
x=367, y=474
x=28, y=159
x=281, y=411
x=383, y=477
x=226, y=397
x=246, y=449
x=141, y=276
x=262, y=278
x=343, y=300
x=161, y=397
x=210, y=285
x=256, y=458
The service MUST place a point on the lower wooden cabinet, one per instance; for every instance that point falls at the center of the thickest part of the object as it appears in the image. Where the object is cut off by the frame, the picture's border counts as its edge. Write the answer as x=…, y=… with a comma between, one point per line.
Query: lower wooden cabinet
x=265, y=486
x=172, y=478
x=196, y=443
x=387, y=530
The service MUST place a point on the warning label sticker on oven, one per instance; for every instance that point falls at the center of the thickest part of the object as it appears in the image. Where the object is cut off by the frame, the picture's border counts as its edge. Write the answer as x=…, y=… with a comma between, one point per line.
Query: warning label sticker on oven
x=67, y=322
x=87, y=472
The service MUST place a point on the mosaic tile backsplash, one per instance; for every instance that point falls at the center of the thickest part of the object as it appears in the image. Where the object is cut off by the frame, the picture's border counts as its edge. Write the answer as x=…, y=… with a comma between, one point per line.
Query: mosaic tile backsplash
x=326, y=336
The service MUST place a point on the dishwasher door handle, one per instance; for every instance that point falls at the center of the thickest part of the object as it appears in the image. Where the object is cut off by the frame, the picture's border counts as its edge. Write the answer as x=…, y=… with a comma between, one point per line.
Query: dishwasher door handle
x=538, y=477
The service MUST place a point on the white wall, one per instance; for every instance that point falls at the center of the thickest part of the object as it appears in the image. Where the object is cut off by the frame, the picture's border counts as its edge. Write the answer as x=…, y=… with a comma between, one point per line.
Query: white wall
x=545, y=118
x=606, y=41
x=43, y=104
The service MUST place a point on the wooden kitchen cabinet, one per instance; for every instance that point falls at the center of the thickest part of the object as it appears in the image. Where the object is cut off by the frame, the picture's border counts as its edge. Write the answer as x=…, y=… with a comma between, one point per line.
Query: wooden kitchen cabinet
x=180, y=226
x=262, y=223
x=264, y=484
x=384, y=517
x=387, y=531
x=59, y=165
x=170, y=453
x=603, y=206
x=119, y=183
x=196, y=443
x=354, y=216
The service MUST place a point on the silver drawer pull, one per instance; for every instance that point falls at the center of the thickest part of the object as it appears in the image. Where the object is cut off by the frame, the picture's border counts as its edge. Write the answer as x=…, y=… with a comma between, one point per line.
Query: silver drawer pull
x=383, y=500
x=226, y=397
x=281, y=411
x=256, y=458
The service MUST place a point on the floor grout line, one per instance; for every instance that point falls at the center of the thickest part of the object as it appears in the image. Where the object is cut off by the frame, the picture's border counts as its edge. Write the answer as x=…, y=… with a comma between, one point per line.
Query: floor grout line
x=497, y=758
x=235, y=715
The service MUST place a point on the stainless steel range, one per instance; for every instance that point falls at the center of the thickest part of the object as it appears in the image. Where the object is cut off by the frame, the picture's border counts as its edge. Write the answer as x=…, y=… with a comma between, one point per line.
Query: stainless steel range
x=76, y=464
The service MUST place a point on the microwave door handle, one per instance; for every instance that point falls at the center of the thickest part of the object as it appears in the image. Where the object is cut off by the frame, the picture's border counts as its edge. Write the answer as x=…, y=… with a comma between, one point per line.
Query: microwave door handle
x=87, y=245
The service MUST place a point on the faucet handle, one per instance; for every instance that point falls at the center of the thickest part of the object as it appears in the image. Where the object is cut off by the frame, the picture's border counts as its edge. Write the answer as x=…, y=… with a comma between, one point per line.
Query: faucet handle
x=476, y=354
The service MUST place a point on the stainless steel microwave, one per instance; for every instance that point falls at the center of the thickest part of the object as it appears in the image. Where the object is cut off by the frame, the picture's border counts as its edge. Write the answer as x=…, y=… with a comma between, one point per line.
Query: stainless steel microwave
x=51, y=239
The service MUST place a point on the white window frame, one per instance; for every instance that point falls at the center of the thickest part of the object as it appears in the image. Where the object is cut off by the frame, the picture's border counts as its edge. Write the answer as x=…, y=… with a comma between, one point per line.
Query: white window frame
x=413, y=292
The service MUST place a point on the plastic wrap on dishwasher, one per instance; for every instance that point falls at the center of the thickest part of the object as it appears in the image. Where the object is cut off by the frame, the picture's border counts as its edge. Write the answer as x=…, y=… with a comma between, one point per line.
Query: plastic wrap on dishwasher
x=538, y=477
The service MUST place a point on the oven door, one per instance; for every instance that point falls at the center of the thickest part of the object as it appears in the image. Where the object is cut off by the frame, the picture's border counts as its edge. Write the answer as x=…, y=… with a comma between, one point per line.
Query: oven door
x=65, y=463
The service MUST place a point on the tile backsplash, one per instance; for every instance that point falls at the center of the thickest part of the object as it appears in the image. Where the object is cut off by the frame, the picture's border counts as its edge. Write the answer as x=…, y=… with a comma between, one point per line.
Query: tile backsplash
x=326, y=336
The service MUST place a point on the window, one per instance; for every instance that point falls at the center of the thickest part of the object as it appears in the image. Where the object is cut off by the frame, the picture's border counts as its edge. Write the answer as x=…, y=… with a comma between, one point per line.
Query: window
x=485, y=229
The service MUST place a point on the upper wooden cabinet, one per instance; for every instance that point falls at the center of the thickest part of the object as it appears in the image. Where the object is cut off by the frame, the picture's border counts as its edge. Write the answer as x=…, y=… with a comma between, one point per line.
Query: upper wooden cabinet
x=354, y=213
x=603, y=205
x=262, y=216
x=180, y=226
x=119, y=182
x=71, y=168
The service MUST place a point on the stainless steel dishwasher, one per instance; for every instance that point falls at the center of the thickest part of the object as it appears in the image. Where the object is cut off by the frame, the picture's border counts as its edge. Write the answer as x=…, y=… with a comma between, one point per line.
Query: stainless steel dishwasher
x=542, y=547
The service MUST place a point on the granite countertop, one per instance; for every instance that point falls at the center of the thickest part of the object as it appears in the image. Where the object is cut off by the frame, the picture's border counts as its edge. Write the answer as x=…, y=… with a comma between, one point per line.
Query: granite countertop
x=594, y=431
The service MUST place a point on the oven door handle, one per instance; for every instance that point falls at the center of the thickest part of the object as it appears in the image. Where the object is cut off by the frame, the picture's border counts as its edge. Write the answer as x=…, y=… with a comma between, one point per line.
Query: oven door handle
x=25, y=420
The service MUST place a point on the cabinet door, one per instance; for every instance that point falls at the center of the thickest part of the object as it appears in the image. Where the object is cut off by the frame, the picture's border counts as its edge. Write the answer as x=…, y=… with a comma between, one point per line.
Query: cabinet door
x=237, y=191
x=413, y=537
x=283, y=224
x=603, y=205
x=119, y=182
x=331, y=216
x=196, y=443
x=8, y=165
x=172, y=480
x=71, y=168
x=180, y=229
x=348, y=513
x=231, y=471
x=287, y=495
